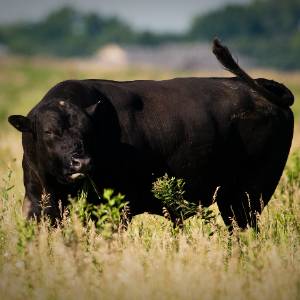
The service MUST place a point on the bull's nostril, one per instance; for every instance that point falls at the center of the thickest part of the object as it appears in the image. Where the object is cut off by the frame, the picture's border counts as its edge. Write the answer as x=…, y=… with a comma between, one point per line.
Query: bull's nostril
x=80, y=164
x=76, y=162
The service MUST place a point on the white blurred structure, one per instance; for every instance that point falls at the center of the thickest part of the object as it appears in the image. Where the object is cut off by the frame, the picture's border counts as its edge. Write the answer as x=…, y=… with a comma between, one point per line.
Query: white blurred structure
x=112, y=55
x=169, y=56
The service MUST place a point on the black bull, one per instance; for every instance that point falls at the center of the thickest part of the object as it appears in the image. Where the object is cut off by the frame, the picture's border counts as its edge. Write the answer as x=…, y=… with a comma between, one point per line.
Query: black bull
x=231, y=133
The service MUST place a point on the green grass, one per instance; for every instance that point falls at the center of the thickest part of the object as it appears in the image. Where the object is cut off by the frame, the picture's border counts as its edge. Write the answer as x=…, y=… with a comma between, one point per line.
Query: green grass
x=150, y=260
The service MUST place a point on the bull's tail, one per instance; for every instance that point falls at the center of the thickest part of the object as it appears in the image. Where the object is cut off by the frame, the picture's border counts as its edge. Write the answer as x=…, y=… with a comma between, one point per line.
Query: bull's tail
x=271, y=90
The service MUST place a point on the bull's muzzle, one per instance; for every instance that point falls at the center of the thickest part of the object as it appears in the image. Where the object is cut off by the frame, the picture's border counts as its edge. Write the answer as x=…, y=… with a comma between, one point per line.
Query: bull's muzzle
x=79, y=167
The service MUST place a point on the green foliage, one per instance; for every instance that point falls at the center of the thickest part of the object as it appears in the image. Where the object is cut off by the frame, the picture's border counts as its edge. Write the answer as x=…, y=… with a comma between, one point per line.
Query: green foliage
x=170, y=191
x=109, y=213
x=81, y=208
x=107, y=216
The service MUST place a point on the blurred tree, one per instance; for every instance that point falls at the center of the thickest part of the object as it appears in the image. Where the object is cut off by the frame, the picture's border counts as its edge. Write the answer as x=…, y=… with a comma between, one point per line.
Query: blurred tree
x=265, y=29
x=66, y=32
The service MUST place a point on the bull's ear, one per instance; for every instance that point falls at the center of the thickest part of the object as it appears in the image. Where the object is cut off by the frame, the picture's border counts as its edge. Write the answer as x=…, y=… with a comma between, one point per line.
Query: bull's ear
x=91, y=110
x=21, y=123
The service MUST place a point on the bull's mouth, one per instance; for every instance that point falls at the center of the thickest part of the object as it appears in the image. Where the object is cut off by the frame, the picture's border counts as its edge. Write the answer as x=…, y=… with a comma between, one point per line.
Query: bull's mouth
x=71, y=178
x=76, y=176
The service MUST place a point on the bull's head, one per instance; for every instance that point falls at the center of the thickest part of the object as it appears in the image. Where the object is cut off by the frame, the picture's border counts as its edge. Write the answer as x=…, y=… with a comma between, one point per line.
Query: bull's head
x=63, y=135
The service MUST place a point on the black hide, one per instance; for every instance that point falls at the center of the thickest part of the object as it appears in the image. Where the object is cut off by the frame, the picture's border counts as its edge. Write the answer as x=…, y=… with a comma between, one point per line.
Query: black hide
x=212, y=132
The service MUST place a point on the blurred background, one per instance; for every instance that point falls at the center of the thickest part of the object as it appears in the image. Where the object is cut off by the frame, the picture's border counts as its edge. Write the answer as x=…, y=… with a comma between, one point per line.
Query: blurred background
x=173, y=34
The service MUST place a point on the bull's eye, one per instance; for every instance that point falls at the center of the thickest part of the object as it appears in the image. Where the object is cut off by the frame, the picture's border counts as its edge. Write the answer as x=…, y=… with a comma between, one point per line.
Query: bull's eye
x=52, y=133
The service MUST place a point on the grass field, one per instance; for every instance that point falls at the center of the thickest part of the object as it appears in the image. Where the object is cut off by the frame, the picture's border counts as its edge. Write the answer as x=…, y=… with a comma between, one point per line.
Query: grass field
x=150, y=260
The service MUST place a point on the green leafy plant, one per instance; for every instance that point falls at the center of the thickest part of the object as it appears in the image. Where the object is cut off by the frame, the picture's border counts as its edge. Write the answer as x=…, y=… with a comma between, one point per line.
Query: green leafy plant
x=107, y=216
x=81, y=208
x=171, y=193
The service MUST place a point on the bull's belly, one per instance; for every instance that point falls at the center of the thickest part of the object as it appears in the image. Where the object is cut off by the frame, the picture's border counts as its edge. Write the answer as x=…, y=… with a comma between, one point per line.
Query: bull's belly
x=201, y=169
x=135, y=171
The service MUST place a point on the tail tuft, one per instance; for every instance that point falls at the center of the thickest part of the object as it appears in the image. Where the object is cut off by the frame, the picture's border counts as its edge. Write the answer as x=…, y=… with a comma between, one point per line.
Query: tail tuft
x=224, y=56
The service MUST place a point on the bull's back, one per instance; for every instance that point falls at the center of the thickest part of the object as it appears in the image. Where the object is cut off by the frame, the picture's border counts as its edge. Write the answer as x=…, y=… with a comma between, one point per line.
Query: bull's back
x=183, y=113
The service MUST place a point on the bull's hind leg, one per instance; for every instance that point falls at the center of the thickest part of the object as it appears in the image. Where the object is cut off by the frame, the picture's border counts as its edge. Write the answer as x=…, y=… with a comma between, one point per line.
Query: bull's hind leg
x=263, y=142
x=243, y=201
x=239, y=206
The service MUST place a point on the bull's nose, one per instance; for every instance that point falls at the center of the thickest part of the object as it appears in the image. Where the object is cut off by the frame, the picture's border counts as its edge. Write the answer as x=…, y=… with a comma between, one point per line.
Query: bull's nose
x=80, y=164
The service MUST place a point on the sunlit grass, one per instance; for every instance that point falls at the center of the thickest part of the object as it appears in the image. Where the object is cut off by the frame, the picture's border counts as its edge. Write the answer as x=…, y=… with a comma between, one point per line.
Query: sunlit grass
x=152, y=260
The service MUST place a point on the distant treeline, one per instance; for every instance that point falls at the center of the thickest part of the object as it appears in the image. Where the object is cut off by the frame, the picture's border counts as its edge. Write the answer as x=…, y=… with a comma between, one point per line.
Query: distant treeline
x=267, y=30
x=68, y=32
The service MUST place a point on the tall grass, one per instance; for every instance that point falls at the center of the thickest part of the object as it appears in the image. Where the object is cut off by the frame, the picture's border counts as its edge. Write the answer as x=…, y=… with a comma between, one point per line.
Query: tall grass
x=80, y=259
x=152, y=260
